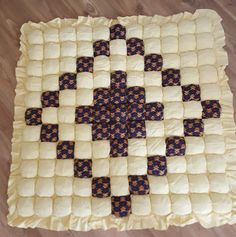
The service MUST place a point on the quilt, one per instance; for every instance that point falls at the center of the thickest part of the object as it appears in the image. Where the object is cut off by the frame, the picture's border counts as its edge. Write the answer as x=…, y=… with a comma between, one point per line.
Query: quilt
x=123, y=123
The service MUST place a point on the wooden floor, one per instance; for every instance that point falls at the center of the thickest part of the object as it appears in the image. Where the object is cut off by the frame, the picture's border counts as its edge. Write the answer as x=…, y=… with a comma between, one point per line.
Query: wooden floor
x=13, y=13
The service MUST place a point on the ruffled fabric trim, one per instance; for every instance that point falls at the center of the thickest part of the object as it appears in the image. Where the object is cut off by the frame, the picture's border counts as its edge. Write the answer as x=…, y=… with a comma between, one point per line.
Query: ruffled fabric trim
x=131, y=222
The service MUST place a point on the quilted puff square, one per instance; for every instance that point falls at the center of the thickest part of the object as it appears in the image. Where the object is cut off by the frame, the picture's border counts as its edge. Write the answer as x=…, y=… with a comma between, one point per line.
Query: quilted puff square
x=84, y=64
x=65, y=150
x=193, y=127
x=119, y=147
x=67, y=81
x=33, y=116
x=154, y=111
x=136, y=129
x=101, y=187
x=136, y=111
x=136, y=94
x=50, y=99
x=191, y=92
x=117, y=31
x=157, y=165
x=175, y=146
x=82, y=168
x=118, y=113
x=118, y=130
x=118, y=96
x=101, y=47
x=49, y=133
x=101, y=131
x=138, y=184
x=211, y=109
x=121, y=205
x=135, y=46
x=171, y=77
x=153, y=62
x=101, y=96
x=101, y=114
x=84, y=114
x=118, y=79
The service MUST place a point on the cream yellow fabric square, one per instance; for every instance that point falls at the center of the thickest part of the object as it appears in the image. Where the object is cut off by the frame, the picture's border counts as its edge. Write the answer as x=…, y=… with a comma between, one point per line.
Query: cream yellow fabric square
x=83, y=132
x=216, y=163
x=35, y=37
x=29, y=150
x=205, y=41
x=100, y=167
x=84, y=96
x=169, y=29
x=152, y=45
x=117, y=62
x=178, y=183
x=62, y=206
x=51, y=50
x=134, y=31
x=154, y=128
x=194, y=145
x=84, y=32
x=33, y=100
x=161, y=188
x=192, y=109
x=84, y=80
x=135, y=78
x=101, y=149
x=66, y=114
x=101, y=63
x=83, y=150
x=189, y=59
x=203, y=24
x=137, y=165
x=210, y=91
x=189, y=75
x=186, y=26
x=81, y=206
x=51, y=66
x=218, y=183
x=101, y=33
x=206, y=57
x=43, y=207
x=34, y=68
x=31, y=133
x=68, y=64
x=176, y=164
x=187, y=42
x=172, y=93
x=46, y=168
x=152, y=78
x=33, y=84
x=135, y=63
x=201, y=203
x=161, y=204
x=156, y=146
x=50, y=83
x=214, y=144
x=64, y=167
x=118, y=47
x=198, y=183
x=151, y=31
x=153, y=94
x=141, y=205
x=137, y=147
x=63, y=186
x=174, y=127
x=85, y=49
x=101, y=79
x=196, y=164
x=180, y=204
x=67, y=34
x=25, y=206
x=82, y=187
x=222, y=203
x=66, y=132
x=213, y=126
x=49, y=115
x=119, y=186
x=101, y=206
x=51, y=35
x=67, y=97
x=118, y=166
x=48, y=150
x=208, y=74
x=35, y=52
x=171, y=60
x=173, y=110
x=68, y=49
x=44, y=187
x=169, y=44
x=26, y=187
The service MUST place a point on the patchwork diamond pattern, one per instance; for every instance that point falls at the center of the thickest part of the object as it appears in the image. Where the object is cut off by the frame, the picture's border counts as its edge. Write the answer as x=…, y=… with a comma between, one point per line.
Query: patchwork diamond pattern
x=211, y=109
x=82, y=168
x=67, y=81
x=65, y=150
x=33, y=116
x=101, y=187
x=153, y=62
x=138, y=184
x=101, y=47
x=85, y=64
x=191, y=92
x=50, y=99
x=135, y=46
x=49, y=133
x=121, y=206
x=157, y=165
